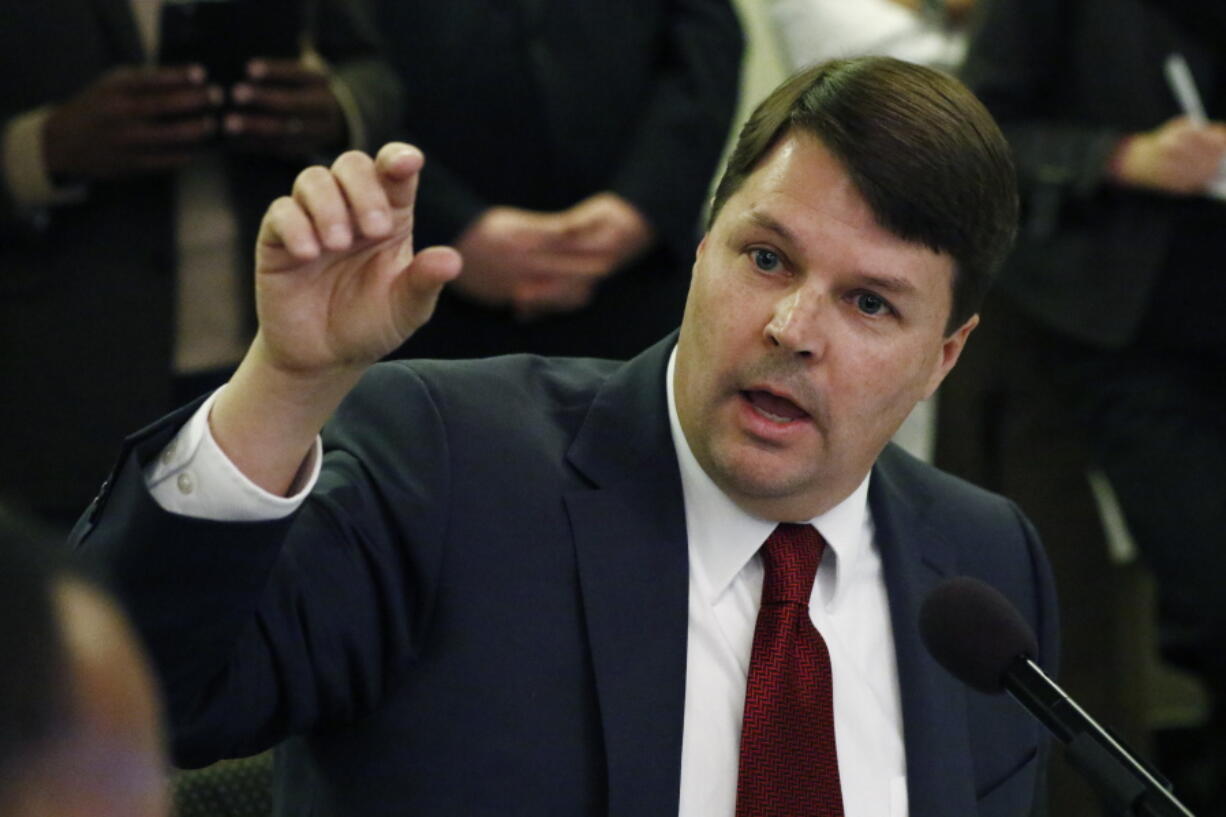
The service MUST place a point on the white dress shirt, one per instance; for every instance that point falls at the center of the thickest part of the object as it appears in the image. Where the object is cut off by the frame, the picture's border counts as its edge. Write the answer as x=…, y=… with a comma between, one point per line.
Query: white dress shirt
x=848, y=607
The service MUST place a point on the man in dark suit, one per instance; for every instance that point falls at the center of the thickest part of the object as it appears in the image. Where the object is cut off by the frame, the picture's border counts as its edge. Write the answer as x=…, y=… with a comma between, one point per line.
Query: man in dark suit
x=528, y=585
x=98, y=147
x=1122, y=240
x=572, y=146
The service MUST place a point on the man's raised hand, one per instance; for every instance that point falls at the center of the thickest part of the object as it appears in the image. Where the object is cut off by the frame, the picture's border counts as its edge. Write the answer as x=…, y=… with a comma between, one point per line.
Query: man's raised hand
x=338, y=285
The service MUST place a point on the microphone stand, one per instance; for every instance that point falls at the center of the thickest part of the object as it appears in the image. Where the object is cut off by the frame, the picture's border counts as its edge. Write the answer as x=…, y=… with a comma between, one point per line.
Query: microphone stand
x=1126, y=782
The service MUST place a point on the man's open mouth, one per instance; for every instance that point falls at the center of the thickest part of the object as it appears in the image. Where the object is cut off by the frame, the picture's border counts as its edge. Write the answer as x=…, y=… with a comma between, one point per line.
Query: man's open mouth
x=773, y=407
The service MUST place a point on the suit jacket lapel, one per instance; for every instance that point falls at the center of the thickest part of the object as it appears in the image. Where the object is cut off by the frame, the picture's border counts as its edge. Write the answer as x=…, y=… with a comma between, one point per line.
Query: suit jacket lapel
x=914, y=559
x=630, y=539
x=117, y=18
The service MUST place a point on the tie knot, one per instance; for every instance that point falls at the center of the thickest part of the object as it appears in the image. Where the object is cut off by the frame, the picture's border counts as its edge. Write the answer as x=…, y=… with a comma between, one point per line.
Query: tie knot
x=790, y=556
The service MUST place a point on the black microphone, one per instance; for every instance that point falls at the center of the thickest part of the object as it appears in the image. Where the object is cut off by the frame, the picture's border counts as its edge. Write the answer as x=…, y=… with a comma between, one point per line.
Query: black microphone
x=975, y=633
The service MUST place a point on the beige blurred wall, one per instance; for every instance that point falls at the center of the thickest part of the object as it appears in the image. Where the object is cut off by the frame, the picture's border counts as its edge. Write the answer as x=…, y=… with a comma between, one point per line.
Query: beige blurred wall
x=763, y=67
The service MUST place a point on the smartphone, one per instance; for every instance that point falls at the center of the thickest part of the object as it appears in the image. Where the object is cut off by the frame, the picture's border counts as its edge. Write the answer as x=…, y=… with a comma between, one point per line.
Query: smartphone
x=224, y=35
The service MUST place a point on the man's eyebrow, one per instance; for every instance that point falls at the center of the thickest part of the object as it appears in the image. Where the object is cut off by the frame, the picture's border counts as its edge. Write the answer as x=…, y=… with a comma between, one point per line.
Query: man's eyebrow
x=768, y=222
x=889, y=283
x=896, y=284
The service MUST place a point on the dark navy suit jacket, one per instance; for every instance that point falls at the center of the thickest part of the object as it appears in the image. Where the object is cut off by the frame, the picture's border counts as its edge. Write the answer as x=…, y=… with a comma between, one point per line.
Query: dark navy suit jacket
x=482, y=609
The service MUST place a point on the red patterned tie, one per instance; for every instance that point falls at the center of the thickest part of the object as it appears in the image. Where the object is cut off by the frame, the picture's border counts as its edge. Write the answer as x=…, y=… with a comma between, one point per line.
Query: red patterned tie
x=789, y=766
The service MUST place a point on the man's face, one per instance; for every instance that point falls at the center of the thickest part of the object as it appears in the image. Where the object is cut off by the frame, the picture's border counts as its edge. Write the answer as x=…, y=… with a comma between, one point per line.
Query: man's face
x=809, y=334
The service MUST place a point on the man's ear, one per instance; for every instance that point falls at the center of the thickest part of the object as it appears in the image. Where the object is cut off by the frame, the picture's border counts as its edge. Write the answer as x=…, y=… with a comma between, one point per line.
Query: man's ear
x=698, y=254
x=951, y=350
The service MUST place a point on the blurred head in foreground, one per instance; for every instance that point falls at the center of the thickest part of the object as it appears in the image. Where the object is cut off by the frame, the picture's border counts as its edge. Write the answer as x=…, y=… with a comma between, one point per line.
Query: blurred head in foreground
x=79, y=718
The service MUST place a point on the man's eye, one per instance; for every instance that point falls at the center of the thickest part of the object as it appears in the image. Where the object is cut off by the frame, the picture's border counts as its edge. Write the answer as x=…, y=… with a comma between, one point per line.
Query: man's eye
x=872, y=304
x=765, y=260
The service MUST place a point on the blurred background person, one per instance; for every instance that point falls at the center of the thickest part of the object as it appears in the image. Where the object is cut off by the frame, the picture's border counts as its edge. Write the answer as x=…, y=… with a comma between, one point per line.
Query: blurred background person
x=570, y=147
x=141, y=140
x=80, y=732
x=1102, y=347
x=928, y=32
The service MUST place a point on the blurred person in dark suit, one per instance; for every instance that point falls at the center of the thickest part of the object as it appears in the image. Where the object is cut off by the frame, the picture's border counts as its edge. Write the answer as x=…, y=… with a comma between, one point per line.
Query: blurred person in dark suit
x=571, y=150
x=132, y=172
x=1118, y=272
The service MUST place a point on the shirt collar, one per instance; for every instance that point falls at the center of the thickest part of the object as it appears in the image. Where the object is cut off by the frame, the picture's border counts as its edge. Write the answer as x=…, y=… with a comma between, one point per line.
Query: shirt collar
x=723, y=538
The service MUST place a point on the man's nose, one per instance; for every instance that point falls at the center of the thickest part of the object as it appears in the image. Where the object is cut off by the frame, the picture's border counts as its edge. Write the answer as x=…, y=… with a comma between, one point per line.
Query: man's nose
x=796, y=323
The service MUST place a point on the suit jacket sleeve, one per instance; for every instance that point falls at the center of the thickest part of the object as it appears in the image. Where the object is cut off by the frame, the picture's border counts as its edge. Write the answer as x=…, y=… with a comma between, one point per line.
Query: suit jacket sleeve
x=264, y=630
x=1015, y=64
x=676, y=145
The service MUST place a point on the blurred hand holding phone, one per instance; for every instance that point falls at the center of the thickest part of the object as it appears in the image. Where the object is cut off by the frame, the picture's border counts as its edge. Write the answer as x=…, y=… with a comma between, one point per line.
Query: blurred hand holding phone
x=275, y=103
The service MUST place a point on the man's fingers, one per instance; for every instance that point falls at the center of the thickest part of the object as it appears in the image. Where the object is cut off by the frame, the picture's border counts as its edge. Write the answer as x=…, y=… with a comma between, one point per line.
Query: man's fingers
x=143, y=80
x=319, y=195
x=565, y=265
x=432, y=267
x=173, y=134
x=399, y=165
x=416, y=290
x=591, y=242
x=177, y=100
x=288, y=100
x=271, y=128
x=355, y=172
x=286, y=225
x=578, y=219
x=285, y=71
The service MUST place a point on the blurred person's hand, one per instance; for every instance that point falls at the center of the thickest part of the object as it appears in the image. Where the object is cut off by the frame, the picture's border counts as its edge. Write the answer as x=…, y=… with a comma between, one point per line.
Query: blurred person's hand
x=1178, y=157
x=507, y=250
x=608, y=227
x=542, y=263
x=600, y=235
x=131, y=121
x=285, y=108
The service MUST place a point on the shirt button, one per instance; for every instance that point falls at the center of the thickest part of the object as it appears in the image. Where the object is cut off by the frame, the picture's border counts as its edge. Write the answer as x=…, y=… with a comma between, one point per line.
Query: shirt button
x=168, y=454
x=186, y=483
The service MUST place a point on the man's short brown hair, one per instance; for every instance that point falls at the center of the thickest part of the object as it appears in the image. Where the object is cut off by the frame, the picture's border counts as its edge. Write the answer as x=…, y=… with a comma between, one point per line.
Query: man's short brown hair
x=923, y=152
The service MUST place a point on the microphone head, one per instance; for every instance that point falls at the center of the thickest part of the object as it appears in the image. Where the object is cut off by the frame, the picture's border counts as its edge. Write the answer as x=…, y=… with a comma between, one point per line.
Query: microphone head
x=974, y=632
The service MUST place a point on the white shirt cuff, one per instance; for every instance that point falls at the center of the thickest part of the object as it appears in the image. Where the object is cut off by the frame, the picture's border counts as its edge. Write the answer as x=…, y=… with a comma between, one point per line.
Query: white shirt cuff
x=193, y=477
x=25, y=164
